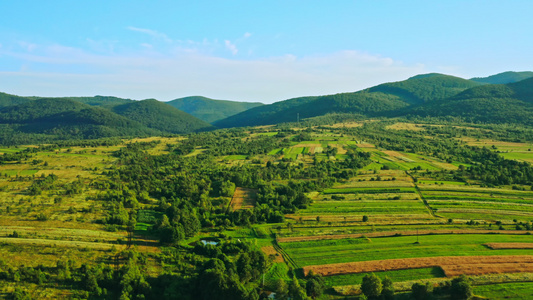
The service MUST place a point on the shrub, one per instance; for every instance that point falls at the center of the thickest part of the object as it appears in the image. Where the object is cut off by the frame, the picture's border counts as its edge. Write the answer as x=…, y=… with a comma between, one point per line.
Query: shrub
x=371, y=286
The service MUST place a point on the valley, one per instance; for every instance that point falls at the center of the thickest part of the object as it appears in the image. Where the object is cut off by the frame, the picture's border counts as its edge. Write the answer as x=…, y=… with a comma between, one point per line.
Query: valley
x=416, y=201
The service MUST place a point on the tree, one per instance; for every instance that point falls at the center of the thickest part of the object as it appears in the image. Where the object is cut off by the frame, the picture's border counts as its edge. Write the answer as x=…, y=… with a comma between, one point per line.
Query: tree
x=315, y=285
x=460, y=288
x=281, y=289
x=388, y=289
x=371, y=286
x=420, y=291
x=296, y=292
x=365, y=218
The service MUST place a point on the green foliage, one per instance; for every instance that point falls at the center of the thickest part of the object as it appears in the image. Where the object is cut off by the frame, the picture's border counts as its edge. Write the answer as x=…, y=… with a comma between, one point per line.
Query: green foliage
x=314, y=285
x=420, y=291
x=161, y=116
x=375, y=101
x=460, y=288
x=371, y=286
x=210, y=110
x=504, y=78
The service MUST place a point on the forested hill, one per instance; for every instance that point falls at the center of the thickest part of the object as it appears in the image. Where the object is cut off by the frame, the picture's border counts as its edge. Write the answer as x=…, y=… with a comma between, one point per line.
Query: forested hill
x=10, y=100
x=379, y=100
x=161, y=116
x=50, y=119
x=504, y=78
x=104, y=101
x=495, y=103
x=211, y=110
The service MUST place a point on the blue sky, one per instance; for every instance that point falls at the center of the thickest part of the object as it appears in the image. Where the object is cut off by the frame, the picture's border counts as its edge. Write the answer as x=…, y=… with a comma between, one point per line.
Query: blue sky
x=263, y=51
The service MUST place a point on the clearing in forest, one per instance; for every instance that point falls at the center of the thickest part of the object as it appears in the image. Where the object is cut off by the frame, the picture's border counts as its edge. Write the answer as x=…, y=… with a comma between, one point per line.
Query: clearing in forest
x=243, y=198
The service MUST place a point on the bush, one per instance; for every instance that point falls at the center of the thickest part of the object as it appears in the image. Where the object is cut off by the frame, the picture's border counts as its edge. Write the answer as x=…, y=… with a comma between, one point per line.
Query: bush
x=42, y=217
x=460, y=288
x=371, y=286
x=420, y=291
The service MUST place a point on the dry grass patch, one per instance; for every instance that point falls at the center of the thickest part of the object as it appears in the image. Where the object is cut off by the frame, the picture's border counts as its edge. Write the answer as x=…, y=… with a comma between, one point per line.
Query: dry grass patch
x=497, y=246
x=420, y=262
x=346, y=125
x=270, y=251
x=365, y=145
x=405, y=126
x=243, y=198
x=490, y=268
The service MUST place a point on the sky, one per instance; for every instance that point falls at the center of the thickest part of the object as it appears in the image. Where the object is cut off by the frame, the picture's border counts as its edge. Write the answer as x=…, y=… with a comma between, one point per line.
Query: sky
x=255, y=51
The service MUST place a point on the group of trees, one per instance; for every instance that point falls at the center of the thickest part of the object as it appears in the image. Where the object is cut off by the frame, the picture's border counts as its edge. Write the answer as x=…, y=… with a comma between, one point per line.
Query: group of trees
x=373, y=287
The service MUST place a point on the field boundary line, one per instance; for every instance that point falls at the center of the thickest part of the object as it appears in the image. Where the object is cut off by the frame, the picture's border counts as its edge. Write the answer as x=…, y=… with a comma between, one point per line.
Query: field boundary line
x=417, y=189
x=399, y=233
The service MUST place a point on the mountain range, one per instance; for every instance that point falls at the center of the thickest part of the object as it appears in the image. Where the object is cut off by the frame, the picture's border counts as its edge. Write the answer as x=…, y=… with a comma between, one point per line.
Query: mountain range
x=422, y=95
x=501, y=98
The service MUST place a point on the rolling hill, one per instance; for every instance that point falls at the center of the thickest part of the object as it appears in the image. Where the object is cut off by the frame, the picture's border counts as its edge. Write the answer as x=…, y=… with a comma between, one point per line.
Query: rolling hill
x=494, y=103
x=211, y=110
x=50, y=119
x=10, y=100
x=161, y=116
x=504, y=78
x=379, y=100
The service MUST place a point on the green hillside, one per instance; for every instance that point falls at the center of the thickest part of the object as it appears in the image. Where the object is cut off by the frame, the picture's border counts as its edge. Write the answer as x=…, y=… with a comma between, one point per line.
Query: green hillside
x=161, y=116
x=50, y=119
x=282, y=111
x=495, y=103
x=424, y=88
x=382, y=99
x=10, y=100
x=106, y=101
x=211, y=110
x=504, y=78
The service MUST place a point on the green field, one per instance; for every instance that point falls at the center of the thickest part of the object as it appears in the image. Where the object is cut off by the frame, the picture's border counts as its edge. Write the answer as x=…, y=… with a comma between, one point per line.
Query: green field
x=518, y=290
x=361, y=249
x=400, y=275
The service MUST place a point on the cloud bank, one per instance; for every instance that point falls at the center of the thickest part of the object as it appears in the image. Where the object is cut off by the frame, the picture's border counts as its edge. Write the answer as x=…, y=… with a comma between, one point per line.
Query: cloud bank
x=57, y=70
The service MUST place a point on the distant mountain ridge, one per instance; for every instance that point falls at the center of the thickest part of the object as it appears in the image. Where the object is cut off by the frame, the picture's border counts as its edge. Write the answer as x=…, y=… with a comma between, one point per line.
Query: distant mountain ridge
x=161, y=116
x=493, y=103
x=211, y=110
x=504, y=78
x=35, y=119
x=375, y=101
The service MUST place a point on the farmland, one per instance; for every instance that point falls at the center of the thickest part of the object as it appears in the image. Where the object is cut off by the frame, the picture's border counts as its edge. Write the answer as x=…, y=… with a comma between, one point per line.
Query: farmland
x=337, y=200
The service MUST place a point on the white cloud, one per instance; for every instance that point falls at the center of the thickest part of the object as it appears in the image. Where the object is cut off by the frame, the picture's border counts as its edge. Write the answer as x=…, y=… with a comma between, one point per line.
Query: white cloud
x=247, y=35
x=185, y=72
x=231, y=47
x=153, y=33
